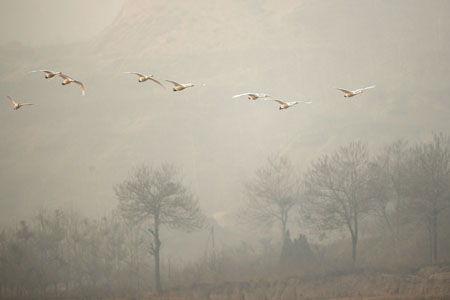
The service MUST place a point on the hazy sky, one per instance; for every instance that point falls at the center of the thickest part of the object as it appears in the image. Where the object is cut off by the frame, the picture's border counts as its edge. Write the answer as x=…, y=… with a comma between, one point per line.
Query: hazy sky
x=69, y=150
x=42, y=22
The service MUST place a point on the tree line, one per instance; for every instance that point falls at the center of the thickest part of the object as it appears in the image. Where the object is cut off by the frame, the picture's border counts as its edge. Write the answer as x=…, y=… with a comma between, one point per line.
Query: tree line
x=400, y=187
x=401, y=191
x=62, y=254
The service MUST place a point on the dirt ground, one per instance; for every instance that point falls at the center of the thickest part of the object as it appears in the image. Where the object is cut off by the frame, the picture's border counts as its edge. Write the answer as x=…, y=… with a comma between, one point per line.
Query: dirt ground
x=427, y=283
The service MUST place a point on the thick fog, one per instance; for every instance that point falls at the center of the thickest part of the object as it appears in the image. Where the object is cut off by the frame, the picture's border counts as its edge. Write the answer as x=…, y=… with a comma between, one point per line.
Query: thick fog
x=51, y=22
x=74, y=153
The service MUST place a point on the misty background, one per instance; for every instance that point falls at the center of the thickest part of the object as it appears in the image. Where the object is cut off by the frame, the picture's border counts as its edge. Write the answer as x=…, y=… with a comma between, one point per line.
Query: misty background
x=67, y=151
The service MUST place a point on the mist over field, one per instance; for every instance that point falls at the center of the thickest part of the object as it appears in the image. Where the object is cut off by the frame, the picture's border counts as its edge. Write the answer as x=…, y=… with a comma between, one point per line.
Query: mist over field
x=72, y=153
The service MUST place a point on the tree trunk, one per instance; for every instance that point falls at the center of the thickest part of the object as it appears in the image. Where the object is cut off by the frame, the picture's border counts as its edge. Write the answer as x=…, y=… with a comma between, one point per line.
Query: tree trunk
x=430, y=240
x=354, y=236
x=434, y=238
x=354, y=243
x=157, y=258
x=284, y=218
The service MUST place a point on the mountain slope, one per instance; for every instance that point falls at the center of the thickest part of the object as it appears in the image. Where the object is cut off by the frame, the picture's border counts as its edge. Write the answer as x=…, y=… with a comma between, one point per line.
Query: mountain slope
x=69, y=150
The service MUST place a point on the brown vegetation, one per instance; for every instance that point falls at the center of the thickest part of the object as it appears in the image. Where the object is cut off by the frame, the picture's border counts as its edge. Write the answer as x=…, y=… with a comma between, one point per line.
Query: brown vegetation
x=402, y=251
x=427, y=283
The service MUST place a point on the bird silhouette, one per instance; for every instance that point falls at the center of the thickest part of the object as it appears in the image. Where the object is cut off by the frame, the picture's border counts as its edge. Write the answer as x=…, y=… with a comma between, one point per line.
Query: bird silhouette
x=181, y=86
x=348, y=94
x=17, y=105
x=286, y=105
x=143, y=78
x=48, y=74
x=68, y=80
x=253, y=96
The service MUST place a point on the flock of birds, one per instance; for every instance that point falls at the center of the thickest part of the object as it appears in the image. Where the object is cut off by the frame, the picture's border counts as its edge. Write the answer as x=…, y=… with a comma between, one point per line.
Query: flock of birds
x=181, y=86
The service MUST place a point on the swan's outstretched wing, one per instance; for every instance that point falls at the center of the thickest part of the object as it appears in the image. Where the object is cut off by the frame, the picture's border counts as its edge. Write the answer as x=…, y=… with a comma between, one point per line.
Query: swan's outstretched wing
x=344, y=91
x=12, y=101
x=257, y=95
x=240, y=95
x=83, y=92
x=64, y=76
x=138, y=74
x=262, y=95
x=176, y=84
x=194, y=84
x=46, y=71
x=156, y=81
x=281, y=102
x=366, y=88
x=22, y=104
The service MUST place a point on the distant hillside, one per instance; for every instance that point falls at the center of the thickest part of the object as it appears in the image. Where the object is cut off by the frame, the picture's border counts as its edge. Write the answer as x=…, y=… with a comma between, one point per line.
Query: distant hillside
x=69, y=150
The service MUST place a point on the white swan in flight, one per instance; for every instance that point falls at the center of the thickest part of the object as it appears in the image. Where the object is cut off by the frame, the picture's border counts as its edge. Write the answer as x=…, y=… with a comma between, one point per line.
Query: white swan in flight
x=48, y=73
x=253, y=96
x=348, y=94
x=181, y=86
x=17, y=105
x=143, y=78
x=68, y=80
x=285, y=104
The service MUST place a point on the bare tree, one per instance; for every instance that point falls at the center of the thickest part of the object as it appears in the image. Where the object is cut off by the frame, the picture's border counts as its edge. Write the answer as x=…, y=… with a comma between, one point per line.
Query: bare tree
x=388, y=187
x=337, y=190
x=272, y=194
x=155, y=197
x=429, y=185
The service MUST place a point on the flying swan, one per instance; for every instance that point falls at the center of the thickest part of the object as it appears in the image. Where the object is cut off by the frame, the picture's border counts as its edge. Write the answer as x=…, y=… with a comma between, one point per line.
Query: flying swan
x=17, y=105
x=285, y=104
x=253, y=96
x=143, y=78
x=348, y=94
x=48, y=74
x=181, y=86
x=68, y=80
